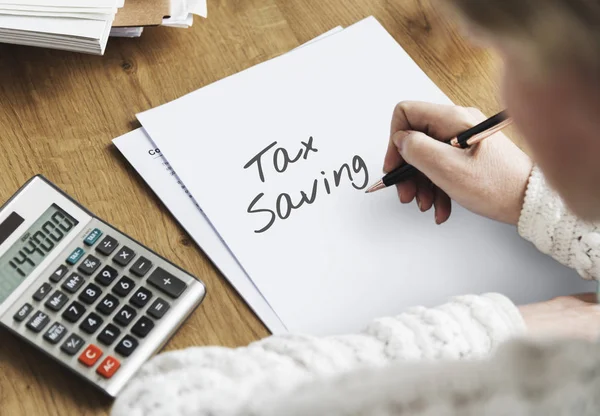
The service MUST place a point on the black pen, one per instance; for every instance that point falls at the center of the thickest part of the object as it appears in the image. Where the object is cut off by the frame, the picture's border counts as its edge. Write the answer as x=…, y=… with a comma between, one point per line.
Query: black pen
x=463, y=141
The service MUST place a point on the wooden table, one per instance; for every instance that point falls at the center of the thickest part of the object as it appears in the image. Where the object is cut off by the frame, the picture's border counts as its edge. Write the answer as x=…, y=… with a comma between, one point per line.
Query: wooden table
x=59, y=112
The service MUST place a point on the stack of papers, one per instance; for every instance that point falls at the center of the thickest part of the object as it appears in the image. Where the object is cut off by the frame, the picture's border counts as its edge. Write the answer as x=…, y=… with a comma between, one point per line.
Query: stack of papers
x=170, y=13
x=71, y=25
x=277, y=199
x=85, y=26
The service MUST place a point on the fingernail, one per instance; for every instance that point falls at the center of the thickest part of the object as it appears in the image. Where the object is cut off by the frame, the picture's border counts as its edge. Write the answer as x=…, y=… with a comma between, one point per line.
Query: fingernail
x=419, y=204
x=437, y=220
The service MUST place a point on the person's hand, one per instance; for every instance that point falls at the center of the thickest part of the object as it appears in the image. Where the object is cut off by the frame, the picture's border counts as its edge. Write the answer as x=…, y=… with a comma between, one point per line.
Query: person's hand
x=576, y=316
x=490, y=179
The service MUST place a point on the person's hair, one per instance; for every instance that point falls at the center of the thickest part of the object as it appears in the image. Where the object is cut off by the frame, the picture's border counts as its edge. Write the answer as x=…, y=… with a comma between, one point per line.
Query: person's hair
x=555, y=31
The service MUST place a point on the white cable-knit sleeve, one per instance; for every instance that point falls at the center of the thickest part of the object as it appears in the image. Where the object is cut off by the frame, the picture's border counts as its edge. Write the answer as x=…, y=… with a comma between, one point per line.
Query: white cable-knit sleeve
x=524, y=378
x=222, y=381
x=547, y=223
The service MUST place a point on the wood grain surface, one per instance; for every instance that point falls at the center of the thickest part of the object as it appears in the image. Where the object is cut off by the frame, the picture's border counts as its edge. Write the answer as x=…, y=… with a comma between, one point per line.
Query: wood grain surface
x=59, y=112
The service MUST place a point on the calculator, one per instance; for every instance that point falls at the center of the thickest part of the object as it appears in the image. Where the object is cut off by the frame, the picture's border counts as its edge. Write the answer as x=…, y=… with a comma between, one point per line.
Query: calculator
x=83, y=292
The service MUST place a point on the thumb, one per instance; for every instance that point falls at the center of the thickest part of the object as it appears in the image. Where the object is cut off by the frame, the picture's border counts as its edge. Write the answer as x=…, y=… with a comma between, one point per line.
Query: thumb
x=435, y=159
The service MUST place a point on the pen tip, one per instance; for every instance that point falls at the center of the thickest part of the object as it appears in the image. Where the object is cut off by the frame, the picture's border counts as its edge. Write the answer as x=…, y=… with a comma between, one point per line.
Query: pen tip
x=379, y=185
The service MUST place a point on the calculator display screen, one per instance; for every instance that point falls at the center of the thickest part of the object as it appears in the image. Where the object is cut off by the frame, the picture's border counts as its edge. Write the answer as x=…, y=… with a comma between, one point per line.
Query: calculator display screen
x=33, y=247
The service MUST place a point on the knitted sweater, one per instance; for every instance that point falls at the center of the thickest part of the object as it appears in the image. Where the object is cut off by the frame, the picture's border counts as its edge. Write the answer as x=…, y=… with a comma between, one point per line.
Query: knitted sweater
x=376, y=372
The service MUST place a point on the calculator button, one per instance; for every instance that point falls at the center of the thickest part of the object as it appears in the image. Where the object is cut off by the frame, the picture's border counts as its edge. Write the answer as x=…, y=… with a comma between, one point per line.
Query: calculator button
x=124, y=256
x=59, y=273
x=90, y=294
x=127, y=345
x=75, y=256
x=38, y=321
x=142, y=327
x=166, y=282
x=72, y=345
x=108, y=367
x=91, y=323
x=55, y=333
x=108, y=304
x=109, y=334
x=158, y=308
x=141, y=267
x=56, y=301
x=141, y=297
x=89, y=265
x=90, y=355
x=107, y=245
x=92, y=237
x=42, y=292
x=73, y=283
x=23, y=312
x=123, y=286
x=74, y=312
x=125, y=315
x=106, y=276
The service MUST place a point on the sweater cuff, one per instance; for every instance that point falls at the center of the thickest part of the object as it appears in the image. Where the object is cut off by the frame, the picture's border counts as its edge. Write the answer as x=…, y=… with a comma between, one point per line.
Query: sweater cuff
x=508, y=313
x=494, y=317
x=555, y=231
x=545, y=221
x=466, y=327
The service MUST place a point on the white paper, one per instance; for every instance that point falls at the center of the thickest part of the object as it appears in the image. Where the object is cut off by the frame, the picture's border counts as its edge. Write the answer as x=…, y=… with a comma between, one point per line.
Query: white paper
x=198, y=7
x=151, y=165
x=349, y=257
x=29, y=8
x=63, y=26
x=91, y=16
x=182, y=22
x=73, y=31
x=182, y=11
x=66, y=3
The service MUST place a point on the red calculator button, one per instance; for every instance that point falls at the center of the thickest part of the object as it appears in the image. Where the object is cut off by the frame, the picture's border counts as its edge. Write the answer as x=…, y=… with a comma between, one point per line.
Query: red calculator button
x=90, y=355
x=108, y=367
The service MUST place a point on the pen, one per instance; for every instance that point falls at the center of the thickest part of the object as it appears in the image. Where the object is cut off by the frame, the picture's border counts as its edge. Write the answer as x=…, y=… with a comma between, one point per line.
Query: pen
x=464, y=140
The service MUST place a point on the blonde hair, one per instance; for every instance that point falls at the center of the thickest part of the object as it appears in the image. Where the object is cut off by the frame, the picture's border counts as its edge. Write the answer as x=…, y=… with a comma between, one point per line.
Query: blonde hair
x=555, y=32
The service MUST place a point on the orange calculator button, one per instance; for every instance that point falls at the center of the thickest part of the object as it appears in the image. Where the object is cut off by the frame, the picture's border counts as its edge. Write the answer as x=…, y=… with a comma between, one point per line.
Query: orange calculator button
x=108, y=367
x=90, y=355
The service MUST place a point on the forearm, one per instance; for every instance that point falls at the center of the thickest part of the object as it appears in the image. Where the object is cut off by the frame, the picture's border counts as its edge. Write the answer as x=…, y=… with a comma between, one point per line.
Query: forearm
x=559, y=378
x=221, y=380
x=555, y=231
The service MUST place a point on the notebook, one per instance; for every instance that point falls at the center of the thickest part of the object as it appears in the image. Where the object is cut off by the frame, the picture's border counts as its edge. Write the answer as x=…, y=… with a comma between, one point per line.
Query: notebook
x=279, y=156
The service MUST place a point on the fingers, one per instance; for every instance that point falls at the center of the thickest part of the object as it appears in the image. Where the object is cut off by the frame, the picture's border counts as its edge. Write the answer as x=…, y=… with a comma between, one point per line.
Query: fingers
x=417, y=133
x=439, y=121
x=420, y=189
x=407, y=191
x=425, y=195
x=436, y=160
x=443, y=206
x=393, y=159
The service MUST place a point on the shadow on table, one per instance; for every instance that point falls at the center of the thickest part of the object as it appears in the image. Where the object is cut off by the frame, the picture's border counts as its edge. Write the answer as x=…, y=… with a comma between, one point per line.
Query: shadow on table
x=37, y=382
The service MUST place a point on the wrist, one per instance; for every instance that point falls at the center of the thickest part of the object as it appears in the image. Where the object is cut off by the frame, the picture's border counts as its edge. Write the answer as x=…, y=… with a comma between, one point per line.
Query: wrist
x=520, y=191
